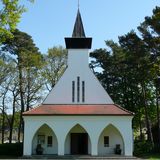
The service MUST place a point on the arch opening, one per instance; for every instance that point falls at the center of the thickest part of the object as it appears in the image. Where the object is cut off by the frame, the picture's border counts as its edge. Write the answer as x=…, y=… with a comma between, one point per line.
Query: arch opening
x=109, y=139
x=46, y=138
x=77, y=141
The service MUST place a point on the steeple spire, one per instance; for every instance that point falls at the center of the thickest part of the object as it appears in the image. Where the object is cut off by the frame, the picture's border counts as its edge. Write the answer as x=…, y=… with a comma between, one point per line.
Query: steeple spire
x=78, y=39
x=78, y=31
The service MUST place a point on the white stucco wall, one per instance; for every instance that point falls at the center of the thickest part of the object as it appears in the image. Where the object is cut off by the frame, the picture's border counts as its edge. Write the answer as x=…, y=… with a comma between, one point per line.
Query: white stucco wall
x=78, y=66
x=93, y=125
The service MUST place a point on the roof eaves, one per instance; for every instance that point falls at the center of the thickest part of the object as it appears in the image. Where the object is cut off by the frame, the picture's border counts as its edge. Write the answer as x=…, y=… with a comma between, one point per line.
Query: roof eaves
x=132, y=113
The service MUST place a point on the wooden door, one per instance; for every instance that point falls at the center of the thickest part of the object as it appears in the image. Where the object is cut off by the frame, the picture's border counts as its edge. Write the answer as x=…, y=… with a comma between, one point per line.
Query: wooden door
x=79, y=143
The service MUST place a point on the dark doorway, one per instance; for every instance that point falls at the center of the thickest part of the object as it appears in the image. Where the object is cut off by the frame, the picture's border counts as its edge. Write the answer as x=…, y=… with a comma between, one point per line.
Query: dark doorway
x=79, y=143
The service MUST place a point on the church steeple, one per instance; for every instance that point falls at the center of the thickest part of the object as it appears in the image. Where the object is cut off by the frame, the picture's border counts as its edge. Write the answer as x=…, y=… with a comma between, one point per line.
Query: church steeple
x=78, y=39
x=78, y=31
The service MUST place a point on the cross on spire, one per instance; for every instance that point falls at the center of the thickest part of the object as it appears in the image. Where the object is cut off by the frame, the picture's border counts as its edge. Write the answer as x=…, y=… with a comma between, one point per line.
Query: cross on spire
x=78, y=4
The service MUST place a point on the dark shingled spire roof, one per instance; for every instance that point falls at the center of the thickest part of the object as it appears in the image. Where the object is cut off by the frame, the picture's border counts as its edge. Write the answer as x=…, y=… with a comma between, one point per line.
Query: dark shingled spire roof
x=78, y=39
x=78, y=31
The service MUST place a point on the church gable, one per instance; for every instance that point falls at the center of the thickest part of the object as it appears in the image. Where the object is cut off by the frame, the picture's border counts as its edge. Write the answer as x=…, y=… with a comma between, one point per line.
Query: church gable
x=78, y=87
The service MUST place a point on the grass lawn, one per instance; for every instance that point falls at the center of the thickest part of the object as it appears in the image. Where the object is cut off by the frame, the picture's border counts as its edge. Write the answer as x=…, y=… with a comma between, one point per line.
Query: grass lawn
x=151, y=156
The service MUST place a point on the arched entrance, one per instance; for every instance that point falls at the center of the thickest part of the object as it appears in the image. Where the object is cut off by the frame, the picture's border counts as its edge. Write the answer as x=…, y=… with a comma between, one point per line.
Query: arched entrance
x=109, y=139
x=46, y=138
x=77, y=141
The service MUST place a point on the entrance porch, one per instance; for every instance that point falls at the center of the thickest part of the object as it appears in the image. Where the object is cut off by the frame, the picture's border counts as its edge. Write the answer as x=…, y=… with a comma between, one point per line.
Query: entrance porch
x=78, y=135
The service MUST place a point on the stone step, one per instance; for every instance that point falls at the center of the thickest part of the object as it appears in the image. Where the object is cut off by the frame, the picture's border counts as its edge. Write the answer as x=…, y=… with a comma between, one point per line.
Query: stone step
x=80, y=157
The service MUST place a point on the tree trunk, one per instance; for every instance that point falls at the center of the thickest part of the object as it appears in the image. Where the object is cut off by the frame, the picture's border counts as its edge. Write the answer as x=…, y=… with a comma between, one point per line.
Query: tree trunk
x=21, y=123
x=12, y=119
x=28, y=90
x=158, y=117
x=140, y=129
x=3, y=115
x=148, y=122
x=3, y=125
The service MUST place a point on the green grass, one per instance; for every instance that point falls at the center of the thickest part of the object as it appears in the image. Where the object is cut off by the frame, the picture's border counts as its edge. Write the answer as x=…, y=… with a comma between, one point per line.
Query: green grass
x=152, y=156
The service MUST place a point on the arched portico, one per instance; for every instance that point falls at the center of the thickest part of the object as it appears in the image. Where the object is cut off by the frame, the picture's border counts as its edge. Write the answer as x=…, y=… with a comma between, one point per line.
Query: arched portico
x=77, y=141
x=94, y=127
x=108, y=139
x=46, y=137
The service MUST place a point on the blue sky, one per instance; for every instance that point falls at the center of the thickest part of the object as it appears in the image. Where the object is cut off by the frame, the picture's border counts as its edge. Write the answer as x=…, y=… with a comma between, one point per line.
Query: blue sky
x=49, y=21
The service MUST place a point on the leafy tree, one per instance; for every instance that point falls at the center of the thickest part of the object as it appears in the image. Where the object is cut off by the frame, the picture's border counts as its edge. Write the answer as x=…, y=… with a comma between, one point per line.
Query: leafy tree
x=9, y=17
x=150, y=32
x=6, y=79
x=141, y=68
x=55, y=65
x=126, y=75
x=5, y=69
x=28, y=61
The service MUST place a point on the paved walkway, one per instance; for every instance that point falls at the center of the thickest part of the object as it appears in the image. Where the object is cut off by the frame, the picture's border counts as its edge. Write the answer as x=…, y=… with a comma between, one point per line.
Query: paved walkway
x=114, y=157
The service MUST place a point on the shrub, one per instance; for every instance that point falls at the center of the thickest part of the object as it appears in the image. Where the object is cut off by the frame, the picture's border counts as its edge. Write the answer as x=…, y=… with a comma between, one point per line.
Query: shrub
x=13, y=149
x=142, y=147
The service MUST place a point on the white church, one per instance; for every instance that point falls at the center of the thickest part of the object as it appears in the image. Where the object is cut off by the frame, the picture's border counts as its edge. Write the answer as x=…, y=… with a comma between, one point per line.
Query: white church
x=78, y=117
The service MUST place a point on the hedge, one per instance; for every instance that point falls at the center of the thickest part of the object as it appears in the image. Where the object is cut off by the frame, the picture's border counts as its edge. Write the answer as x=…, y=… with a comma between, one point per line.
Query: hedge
x=13, y=149
x=142, y=147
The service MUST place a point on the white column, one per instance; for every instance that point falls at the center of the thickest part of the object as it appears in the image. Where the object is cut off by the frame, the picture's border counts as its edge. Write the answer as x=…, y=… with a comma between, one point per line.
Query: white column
x=94, y=144
x=94, y=134
x=94, y=148
x=60, y=149
x=61, y=141
x=128, y=139
x=27, y=147
x=128, y=143
x=27, y=144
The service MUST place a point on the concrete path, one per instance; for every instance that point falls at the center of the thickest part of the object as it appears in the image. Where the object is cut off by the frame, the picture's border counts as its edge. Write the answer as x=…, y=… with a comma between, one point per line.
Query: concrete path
x=114, y=157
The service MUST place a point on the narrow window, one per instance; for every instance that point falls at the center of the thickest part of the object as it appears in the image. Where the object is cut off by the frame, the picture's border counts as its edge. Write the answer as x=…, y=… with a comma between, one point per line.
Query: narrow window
x=49, y=141
x=78, y=88
x=106, y=141
x=73, y=91
x=83, y=91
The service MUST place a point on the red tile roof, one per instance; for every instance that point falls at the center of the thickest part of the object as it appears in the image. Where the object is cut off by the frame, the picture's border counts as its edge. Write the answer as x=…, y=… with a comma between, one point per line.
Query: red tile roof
x=98, y=109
